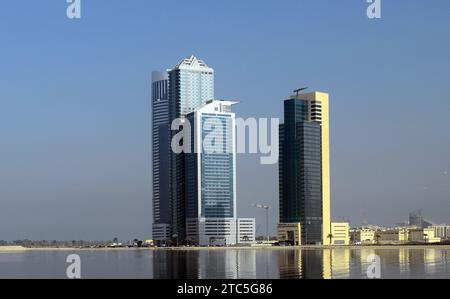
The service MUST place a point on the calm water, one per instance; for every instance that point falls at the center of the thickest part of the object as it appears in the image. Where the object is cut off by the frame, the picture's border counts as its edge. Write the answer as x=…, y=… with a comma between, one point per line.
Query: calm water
x=244, y=263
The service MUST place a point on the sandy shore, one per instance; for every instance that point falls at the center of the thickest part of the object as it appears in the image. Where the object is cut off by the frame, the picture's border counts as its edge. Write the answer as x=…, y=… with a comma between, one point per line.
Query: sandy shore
x=19, y=249
x=12, y=249
x=6, y=249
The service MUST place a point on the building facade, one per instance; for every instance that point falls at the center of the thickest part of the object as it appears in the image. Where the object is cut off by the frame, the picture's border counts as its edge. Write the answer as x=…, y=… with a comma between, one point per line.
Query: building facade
x=340, y=233
x=160, y=157
x=211, y=176
x=425, y=235
x=304, y=168
x=194, y=191
x=246, y=231
x=362, y=236
x=392, y=236
x=291, y=233
x=442, y=231
x=191, y=85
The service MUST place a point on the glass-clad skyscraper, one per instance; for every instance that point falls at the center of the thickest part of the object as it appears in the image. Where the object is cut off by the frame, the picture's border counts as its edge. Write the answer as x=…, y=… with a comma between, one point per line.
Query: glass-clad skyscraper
x=191, y=85
x=160, y=156
x=194, y=193
x=304, y=166
x=211, y=175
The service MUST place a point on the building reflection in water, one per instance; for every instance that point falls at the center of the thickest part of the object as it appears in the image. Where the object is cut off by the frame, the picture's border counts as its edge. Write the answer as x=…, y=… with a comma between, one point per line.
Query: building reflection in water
x=404, y=257
x=175, y=264
x=228, y=264
x=339, y=263
x=314, y=264
x=204, y=264
x=287, y=263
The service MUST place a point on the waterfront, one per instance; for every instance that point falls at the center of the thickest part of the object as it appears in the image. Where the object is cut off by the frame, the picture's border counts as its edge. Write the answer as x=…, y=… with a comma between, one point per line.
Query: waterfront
x=259, y=263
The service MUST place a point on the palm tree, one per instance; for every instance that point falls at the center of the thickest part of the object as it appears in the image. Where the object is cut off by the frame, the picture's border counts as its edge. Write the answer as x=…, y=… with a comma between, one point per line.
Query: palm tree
x=330, y=236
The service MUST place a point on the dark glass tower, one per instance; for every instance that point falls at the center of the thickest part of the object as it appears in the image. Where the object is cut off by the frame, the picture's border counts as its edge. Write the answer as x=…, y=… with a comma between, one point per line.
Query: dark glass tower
x=300, y=169
x=160, y=157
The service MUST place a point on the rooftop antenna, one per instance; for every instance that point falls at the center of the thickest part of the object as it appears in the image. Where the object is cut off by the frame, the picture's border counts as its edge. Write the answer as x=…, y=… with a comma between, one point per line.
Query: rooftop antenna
x=297, y=91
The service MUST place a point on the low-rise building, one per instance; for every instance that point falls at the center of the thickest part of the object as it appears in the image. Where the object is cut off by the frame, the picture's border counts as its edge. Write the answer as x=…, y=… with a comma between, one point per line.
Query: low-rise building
x=221, y=232
x=396, y=235
x=426, y=235
x=290, y=233
x=340, y=233
x=442, y=231
x=416, y=235
x=246, y=230
x=362, y=236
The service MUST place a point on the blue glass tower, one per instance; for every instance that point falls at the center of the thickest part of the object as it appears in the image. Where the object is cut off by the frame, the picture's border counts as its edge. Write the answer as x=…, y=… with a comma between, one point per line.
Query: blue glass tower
x=211, y=175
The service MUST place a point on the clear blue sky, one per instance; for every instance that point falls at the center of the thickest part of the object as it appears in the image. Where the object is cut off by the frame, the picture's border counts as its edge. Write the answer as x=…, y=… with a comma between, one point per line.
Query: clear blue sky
x=75, y=104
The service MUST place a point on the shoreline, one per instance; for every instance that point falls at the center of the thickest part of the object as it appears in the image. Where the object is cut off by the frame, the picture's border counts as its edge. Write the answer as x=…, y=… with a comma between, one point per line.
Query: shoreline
x=309, y=247
x=20, y=249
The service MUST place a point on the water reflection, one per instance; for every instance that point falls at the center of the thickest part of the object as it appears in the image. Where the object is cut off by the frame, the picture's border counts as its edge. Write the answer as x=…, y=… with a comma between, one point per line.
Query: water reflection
x=336, y=263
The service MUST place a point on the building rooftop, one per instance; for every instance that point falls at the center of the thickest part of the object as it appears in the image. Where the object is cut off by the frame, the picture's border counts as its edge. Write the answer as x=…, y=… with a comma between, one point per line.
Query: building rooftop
x=213, y=106
x=191, y=62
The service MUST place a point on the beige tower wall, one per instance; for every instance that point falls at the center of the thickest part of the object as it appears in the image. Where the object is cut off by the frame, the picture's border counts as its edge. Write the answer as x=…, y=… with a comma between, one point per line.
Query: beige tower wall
x=323, y=98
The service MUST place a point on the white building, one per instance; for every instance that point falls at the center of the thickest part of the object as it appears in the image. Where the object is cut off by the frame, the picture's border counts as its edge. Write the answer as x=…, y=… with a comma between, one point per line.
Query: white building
x=442, y=231
x=246, y=230
x=210, y=168
x=210, y=179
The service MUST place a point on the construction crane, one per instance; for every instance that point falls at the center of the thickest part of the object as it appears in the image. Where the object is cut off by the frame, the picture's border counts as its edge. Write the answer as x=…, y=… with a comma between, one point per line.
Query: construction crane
x=265, y=207
x=297, y=91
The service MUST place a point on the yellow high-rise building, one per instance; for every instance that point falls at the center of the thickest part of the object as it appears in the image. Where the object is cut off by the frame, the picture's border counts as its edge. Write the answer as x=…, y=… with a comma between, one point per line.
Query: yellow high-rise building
x=304, y=134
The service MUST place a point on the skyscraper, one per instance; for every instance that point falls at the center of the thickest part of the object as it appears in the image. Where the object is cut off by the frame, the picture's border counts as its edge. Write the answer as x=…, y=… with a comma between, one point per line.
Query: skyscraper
x=211, y=175
x=191, y=85
x=304, y=169
x=160, y=156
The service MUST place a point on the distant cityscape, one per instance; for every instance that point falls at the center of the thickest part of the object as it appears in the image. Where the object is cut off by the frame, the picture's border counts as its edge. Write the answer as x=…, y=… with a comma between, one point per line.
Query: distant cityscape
x=195, y=190
x=417, y=230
